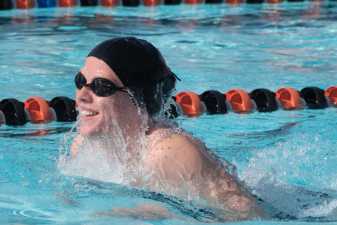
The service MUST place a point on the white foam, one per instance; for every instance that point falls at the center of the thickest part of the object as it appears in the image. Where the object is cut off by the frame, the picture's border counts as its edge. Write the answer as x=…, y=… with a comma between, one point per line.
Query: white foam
x=288, y=176
x=322, y=210
x=94, y=163
x=104, y=158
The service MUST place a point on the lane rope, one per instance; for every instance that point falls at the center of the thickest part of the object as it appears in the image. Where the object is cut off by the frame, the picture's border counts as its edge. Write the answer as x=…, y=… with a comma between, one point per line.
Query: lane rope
x=28, y=4
x=36, y=109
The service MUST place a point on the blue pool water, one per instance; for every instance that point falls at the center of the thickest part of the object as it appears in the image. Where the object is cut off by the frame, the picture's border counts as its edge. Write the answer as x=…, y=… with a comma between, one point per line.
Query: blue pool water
x=287, y=158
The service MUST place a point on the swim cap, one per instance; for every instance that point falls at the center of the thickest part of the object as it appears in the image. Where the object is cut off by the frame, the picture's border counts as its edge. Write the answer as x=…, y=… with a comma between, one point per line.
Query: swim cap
x=140, y=66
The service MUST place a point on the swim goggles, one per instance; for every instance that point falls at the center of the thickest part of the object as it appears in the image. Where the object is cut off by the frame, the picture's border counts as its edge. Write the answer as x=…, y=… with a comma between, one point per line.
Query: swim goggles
x=100, y=86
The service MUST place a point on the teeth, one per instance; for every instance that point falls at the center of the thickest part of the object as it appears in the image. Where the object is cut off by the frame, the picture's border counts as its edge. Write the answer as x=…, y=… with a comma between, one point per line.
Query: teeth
x=88, y=113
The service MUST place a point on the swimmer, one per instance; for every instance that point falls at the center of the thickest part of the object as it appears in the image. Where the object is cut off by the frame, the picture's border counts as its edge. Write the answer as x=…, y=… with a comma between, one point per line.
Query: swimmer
x=126, y=80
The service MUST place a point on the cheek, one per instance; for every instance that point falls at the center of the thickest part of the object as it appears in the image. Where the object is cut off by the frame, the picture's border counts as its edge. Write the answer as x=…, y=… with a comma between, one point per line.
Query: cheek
x=108, y=112
x=125, y=109
x=115, y=111
x=100, y=123
x=120, y=110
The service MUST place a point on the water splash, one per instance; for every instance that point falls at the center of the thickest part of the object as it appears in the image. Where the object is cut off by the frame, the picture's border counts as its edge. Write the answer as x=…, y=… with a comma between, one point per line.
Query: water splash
x=109, y=157
x=294, y=178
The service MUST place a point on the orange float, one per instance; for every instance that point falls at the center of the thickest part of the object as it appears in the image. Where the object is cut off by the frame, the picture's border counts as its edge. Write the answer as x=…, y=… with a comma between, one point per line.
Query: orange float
x=67, y=3
x=151, y=2
x=24, y=4
x=189, y=103
x=289, y=98
x=234, y=2
x=331, y=94
x=193, y=2
x=38, y=110
x=239, y=101
x=274, y=1
x=109, y=3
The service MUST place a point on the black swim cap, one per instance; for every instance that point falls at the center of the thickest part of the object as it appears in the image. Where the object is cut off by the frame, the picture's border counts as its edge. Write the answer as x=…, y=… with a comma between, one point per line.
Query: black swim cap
x=140, y=66
x=135, y=61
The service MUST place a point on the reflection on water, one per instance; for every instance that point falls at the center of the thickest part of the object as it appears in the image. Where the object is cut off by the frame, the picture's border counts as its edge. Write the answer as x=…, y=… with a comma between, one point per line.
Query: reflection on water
x=21, y=133
x=69, y=21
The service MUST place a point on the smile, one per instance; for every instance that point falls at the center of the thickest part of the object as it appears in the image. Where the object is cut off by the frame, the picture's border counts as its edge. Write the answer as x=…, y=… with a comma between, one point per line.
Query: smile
x=88, y=113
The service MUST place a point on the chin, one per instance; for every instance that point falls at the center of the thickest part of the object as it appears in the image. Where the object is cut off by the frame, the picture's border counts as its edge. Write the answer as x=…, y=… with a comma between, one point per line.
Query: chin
x=89, y=129
x=86, y=132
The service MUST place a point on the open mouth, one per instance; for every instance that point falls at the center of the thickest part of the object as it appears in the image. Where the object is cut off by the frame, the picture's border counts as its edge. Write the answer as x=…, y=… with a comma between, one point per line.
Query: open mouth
x=86, y=113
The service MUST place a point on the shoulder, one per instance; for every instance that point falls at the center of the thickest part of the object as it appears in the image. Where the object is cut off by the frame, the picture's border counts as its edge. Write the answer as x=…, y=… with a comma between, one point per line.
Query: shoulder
x=176, y=153
x=169, y=142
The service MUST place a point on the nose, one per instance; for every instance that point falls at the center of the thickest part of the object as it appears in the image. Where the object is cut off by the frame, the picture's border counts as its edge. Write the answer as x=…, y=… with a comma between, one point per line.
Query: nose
x=84, y=95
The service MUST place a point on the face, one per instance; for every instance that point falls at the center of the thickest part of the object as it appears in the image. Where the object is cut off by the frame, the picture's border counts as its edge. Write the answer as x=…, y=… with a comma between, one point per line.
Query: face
x=97, y=113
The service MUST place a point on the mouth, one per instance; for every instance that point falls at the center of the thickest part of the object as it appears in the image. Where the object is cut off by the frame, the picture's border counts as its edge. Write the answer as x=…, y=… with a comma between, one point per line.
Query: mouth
x=88, y=113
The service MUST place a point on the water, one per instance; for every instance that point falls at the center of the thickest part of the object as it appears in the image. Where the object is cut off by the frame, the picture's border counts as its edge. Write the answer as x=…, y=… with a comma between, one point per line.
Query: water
x=286, y=158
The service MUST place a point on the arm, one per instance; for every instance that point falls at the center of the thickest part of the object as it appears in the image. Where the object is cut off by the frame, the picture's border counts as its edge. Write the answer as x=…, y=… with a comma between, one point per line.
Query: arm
x=145, y=211
x=224, y=191
x=185, y=164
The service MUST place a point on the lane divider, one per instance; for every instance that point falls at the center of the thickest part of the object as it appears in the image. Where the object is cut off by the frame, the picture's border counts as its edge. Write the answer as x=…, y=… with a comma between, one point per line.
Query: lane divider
x=289, y=98
x=260, y=100
x=37, y=110
x=63, y=109
x=190, y=103
x=28, y=4
x=239, y=101
x=214, y=101
x=67, y=3
x=331, y=94
x=6, y=4
x=46, y=3
x=25, y=4
x=314, y=97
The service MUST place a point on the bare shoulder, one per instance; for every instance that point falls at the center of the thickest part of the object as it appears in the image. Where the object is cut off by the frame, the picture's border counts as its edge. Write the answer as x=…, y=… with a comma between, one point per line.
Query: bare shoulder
x=176, y=154
x=170, y=143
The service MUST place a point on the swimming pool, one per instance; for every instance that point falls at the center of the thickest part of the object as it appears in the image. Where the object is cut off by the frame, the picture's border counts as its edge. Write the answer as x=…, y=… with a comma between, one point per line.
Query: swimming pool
x=287, y=158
